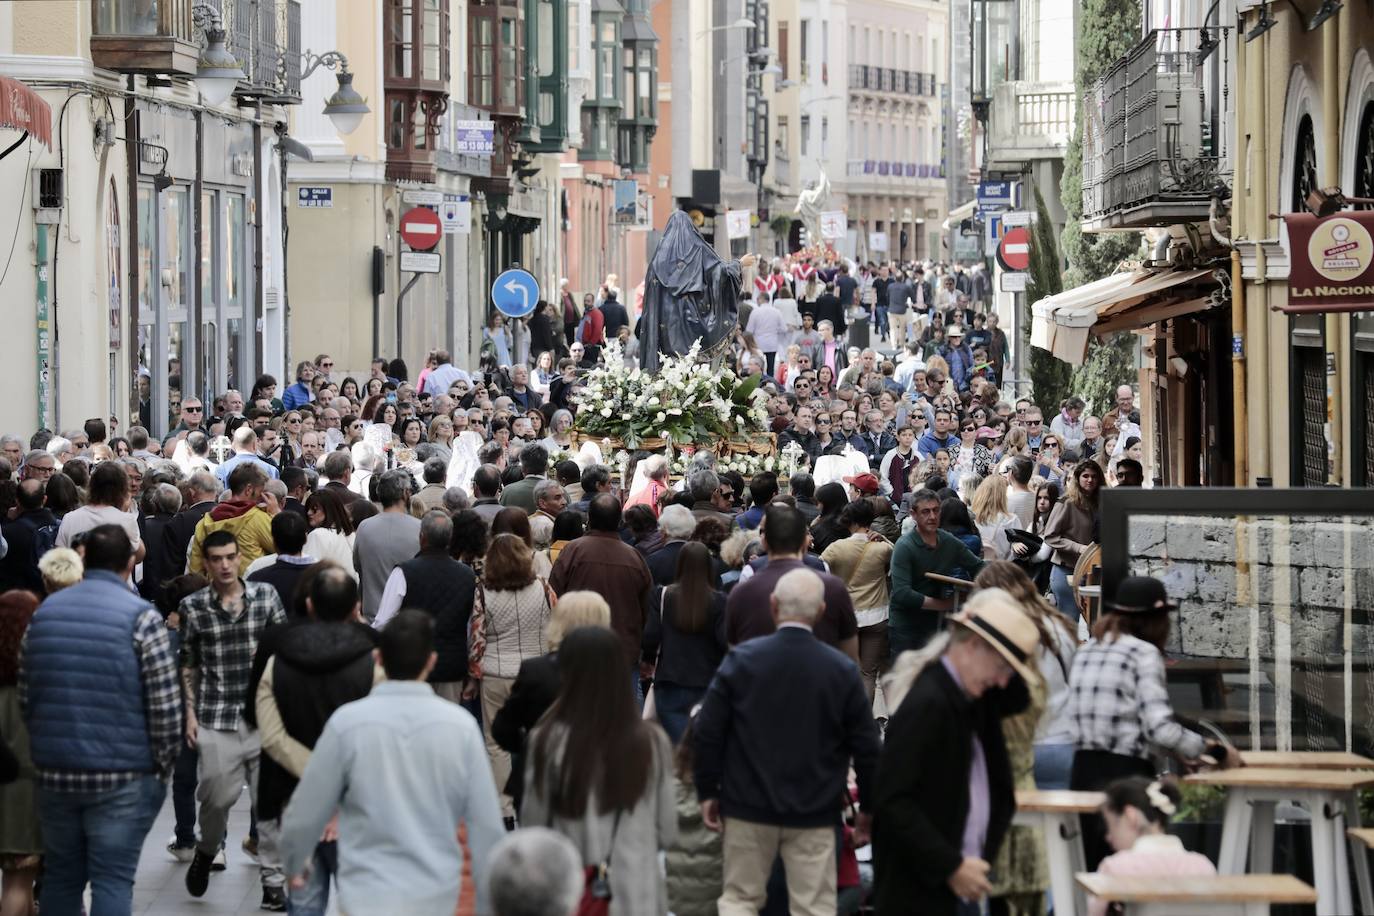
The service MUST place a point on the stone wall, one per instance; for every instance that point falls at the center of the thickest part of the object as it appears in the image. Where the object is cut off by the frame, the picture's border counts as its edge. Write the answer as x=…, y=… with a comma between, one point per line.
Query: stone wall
x=1289, y=603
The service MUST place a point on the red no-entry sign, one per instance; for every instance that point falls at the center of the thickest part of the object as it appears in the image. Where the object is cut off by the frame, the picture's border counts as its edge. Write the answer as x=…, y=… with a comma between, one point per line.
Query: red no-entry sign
x=1013, y=252
x=421, y=229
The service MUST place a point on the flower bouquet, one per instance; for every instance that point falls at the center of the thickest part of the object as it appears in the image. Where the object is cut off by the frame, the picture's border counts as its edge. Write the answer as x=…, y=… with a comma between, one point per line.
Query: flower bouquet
x=686, y=402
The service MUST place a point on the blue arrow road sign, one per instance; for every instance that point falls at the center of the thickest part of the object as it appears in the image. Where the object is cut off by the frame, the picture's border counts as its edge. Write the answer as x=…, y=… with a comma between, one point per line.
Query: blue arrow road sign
x=515, y=293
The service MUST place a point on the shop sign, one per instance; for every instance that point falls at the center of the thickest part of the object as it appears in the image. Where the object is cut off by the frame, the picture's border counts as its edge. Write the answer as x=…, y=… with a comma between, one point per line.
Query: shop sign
x=1331, y=262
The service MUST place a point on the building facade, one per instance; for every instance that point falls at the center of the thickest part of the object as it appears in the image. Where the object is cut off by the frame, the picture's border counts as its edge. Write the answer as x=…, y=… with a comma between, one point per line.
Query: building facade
x=147, y=256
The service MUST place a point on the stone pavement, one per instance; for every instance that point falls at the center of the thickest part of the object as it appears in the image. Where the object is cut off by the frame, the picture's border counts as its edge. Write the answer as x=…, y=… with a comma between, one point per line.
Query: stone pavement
x=160, y=889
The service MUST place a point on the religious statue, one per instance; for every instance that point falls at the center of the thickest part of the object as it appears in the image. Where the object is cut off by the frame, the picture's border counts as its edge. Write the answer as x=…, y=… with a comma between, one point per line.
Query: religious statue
x=690, y=293
x=810, y=204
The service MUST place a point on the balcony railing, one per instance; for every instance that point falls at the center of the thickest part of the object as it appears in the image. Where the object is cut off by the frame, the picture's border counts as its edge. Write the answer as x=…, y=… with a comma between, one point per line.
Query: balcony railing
x=265, y=36
x=130, y=37
x=891, y=170
x=890, y=80
x=1153, y=150
x=1029, y=121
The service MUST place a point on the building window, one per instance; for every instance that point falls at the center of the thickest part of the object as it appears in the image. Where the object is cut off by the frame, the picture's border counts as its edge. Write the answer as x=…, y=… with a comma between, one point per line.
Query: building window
x=783, y=50
x=495, y=56
x=1364, y=157
x=416, y=83
x=825, y=135
x=1304, y=165
x=804, y=52
x=782, y=139
x=805, y=134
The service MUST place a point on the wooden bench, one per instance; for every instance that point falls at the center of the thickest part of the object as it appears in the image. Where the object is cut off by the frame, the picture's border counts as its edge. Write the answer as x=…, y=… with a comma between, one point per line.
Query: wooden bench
x=1054, y=814
x=1330, y=799
x=1219, y=895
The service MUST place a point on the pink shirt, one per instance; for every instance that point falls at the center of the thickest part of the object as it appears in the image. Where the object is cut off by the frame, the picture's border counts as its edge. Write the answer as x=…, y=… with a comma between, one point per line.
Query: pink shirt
x=1160, y=855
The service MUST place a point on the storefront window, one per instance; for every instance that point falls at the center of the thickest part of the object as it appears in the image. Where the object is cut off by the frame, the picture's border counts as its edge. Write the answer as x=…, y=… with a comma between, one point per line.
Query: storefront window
x=176, y=351
x=235, y=265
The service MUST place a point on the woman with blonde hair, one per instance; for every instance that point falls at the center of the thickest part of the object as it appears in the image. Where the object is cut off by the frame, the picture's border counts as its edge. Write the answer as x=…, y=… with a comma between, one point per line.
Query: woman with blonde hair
x=60, y=568
x=536, y=685
x=990, y=514
x=509, y=614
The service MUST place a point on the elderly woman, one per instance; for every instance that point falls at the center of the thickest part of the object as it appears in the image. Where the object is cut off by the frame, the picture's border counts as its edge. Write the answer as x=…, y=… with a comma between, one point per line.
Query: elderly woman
x=651, y=482
x=559, y=438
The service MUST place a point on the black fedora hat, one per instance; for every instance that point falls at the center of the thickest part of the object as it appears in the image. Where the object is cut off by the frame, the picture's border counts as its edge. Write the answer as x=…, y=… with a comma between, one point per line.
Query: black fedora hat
x=1141, y=595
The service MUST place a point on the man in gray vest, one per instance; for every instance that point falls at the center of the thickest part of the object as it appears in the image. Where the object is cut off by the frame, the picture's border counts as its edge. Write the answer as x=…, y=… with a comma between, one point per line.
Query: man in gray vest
x=98, y=689
x=385, y=541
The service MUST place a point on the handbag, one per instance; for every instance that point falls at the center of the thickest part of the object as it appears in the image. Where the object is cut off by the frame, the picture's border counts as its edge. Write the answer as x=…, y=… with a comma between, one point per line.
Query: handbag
x=596, y=894
x=477, y=633
x=650, y=712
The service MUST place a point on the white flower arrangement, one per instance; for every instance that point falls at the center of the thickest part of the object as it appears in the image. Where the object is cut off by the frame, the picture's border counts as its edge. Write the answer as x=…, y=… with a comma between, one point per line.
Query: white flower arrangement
x=685, y=401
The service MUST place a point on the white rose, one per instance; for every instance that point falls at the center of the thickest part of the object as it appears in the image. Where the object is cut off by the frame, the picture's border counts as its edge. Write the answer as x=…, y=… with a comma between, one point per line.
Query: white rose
x=606, y=411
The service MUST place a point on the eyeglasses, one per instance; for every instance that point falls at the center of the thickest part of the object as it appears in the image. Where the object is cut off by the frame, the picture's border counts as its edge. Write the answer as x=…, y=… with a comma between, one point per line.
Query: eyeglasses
x=294, y=420
x=1034, y=422
x=192, y=409
x=970, y=429
x=326, y=365
x=355, y=426
x=822, y=421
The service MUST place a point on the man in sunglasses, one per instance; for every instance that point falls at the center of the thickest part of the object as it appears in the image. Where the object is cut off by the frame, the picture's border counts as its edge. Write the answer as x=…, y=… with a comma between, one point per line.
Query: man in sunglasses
x=192, y=416
x=1034, y=422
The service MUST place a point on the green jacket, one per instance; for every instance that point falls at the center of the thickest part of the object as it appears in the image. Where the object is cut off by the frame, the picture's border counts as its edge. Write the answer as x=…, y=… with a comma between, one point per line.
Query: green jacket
x=696, y=862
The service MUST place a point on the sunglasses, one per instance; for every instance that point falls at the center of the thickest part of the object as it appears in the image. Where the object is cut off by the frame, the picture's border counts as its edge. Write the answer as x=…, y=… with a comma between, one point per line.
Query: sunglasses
x=970, y=429
x=823, y=421
x=326, y=365
x=193, y=409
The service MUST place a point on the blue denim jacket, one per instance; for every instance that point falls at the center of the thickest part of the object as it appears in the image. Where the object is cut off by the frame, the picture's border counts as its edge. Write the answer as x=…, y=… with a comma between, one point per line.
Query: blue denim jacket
x=402, y=767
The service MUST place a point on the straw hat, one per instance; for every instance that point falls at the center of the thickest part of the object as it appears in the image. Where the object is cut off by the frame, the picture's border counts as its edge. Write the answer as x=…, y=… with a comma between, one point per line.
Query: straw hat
x=994, y=615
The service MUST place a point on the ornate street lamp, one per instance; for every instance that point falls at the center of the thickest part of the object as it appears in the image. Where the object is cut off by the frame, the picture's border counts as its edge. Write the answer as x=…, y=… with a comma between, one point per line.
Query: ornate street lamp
x=345, y=107
x=217, y=71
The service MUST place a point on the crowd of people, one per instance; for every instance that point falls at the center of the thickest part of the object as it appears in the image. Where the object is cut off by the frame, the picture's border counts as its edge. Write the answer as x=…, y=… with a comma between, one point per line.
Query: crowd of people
x=631, y=689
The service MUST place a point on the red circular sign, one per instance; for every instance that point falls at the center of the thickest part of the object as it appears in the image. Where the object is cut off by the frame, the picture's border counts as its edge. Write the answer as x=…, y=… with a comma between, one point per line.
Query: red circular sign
x=1013, y=252
x=421, y=229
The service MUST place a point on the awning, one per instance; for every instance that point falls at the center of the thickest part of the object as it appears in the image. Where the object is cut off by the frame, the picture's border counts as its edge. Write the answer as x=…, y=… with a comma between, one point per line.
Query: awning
x=959, y=214
x=23, y=109
x=1062, y=324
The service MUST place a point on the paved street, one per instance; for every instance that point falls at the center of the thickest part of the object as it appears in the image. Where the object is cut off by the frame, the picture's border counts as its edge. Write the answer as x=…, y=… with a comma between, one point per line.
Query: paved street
x=160, y=888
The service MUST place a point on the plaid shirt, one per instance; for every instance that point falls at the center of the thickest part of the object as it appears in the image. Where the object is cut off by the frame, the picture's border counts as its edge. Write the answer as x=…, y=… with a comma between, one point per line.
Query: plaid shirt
x=222, y=646
x=161, y=710
x=1118, y=701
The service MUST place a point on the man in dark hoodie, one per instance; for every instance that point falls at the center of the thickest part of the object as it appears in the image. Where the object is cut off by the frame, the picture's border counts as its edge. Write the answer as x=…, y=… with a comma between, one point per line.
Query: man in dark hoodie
x=319, y=664
x=29, y=536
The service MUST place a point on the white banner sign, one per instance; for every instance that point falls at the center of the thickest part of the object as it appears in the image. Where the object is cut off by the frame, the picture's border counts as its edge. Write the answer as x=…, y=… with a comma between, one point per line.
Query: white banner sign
x=834, y=225
x=877, y=241
x=737, y=224
x=1014, y=282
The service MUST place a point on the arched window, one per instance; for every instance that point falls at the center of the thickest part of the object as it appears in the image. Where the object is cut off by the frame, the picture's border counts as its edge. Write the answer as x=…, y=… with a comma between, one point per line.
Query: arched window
x=1364, y=157
x=1304, y=165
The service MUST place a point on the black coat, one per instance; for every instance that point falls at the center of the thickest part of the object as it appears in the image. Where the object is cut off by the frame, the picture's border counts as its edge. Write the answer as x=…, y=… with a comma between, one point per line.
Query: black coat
x=543, y=334
x=922, y=796
x=535, y=689
x=176, y=536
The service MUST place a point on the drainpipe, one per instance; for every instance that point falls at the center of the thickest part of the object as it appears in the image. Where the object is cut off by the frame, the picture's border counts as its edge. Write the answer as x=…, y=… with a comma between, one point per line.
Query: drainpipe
x=1331, y=164
x=1239, y=412
x=1259, y=229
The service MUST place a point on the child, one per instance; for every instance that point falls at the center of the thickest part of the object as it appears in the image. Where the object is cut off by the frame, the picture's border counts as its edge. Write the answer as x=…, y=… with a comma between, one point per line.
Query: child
x=1137, y=812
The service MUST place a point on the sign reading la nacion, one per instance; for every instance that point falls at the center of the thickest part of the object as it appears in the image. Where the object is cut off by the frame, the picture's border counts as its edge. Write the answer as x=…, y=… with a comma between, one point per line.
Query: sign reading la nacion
x=1331, y=262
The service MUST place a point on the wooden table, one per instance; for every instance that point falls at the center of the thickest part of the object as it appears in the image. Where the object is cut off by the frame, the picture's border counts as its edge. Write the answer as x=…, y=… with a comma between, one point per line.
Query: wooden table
x=1055, y=815
x=1307, y=760
x=1328, y=796
x=1221, y=895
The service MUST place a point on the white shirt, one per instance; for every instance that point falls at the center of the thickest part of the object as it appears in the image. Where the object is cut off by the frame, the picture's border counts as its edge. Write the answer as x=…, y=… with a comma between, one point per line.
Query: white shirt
x=392, y=596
